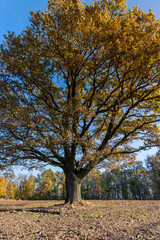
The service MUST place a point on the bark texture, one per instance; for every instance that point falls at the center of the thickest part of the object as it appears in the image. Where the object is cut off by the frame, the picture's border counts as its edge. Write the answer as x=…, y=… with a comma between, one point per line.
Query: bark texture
x=73, y=188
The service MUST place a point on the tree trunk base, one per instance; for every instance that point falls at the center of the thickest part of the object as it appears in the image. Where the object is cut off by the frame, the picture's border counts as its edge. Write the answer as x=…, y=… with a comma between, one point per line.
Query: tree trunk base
x=80, y=203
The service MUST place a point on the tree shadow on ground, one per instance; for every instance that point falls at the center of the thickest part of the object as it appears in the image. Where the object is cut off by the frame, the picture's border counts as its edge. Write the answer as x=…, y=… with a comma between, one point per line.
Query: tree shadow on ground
x=42, y=210
x=36, y=210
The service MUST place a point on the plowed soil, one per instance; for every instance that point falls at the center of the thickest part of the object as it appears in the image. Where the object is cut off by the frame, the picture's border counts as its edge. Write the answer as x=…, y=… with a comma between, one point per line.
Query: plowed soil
x=90, y=220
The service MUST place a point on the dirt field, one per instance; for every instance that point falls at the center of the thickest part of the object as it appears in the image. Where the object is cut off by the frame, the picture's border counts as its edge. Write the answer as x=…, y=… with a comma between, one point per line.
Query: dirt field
x=90, y=220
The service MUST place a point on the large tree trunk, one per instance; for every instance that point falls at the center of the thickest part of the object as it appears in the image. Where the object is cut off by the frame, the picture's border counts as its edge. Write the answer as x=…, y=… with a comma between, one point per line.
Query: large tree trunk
x=73, y=187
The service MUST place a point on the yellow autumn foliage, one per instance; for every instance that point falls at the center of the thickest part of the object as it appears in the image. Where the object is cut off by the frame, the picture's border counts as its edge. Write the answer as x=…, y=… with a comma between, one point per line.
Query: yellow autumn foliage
x=3, y=187
x=80, y=86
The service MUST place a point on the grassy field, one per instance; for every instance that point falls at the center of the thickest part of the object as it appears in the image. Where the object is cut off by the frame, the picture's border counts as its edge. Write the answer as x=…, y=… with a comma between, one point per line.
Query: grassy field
x=90, y=220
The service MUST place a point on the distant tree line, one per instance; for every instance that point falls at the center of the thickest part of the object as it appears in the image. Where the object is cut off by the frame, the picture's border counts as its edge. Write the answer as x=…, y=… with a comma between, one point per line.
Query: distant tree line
x=136, y=182
x=47, y=185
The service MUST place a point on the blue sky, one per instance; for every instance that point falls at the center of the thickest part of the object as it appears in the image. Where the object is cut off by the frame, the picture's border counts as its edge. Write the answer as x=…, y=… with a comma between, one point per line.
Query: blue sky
x=14, y=16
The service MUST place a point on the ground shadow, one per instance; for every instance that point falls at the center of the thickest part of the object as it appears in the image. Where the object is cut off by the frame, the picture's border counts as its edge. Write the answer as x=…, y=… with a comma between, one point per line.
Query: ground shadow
x=30, y=210
x=43, y=210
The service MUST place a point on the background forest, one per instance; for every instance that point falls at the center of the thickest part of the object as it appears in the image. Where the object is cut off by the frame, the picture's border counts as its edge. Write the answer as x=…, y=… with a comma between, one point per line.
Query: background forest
x=135, y=182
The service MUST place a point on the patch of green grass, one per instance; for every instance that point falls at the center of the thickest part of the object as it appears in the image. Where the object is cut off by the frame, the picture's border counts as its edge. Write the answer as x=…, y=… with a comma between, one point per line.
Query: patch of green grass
x=97, y=215
x=145, y=214
x=36, y=232
x=87, y=216
x=35, y=214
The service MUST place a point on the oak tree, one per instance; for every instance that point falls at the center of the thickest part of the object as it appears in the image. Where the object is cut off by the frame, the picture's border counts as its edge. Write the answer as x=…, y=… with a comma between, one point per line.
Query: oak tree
x=79, y=87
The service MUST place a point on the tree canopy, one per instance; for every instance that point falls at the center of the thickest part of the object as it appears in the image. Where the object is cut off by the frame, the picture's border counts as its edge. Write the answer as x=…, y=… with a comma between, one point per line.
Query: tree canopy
x=79, y=86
